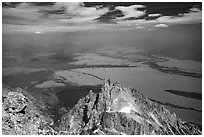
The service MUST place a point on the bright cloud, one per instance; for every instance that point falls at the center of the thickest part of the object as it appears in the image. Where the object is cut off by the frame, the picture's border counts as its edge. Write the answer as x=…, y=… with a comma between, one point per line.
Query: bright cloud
x=195, y=9
x=193, y=16
x=77, y=10
x=161, y=26
x=131, y=11
x=186, y=18
x=75, y=15
x=154, y=15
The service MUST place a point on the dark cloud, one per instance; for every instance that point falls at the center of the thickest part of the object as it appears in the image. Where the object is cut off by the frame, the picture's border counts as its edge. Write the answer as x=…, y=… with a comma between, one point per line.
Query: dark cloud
x=169, y=8
x=10, y=4
x=42, y=3
x=14, y=4
x=110, y=16
x=55, y=11
x=112, y=5
x=163, y=8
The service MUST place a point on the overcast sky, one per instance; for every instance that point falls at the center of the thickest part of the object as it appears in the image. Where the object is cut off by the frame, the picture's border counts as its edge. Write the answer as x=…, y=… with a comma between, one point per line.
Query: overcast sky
x=68, y=17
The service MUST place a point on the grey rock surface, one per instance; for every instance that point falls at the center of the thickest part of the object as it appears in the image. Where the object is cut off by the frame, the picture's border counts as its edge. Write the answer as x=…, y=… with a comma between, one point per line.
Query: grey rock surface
x=21, y=115
x=116, y=110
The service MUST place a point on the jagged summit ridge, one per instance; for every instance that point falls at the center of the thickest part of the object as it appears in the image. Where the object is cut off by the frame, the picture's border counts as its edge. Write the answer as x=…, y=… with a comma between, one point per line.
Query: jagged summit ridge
x=120, y=110
x=123, y=101
x=115, y=110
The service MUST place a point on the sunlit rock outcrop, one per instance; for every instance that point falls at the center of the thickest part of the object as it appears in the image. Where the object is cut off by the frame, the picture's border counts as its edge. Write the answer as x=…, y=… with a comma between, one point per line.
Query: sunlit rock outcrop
x=120, y=110
x=21, y=115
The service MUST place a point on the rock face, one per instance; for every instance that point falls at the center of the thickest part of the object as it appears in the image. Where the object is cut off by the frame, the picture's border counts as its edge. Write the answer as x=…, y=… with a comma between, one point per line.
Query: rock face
x=115, y=110
x=119, y=110
x=21, y=114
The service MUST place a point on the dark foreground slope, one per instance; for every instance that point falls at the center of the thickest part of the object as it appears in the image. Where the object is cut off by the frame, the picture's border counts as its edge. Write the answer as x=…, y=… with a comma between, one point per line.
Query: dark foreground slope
x=115, y=110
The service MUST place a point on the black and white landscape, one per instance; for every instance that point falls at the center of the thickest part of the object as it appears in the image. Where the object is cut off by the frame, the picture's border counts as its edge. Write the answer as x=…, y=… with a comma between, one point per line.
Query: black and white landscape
x=53, y=54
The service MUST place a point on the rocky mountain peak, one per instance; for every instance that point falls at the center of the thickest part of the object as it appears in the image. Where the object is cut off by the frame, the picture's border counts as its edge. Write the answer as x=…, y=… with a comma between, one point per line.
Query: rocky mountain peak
x=116, y=110
x=120, y=110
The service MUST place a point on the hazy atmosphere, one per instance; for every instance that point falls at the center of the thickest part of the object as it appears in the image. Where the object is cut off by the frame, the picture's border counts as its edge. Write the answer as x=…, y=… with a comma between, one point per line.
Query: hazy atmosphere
x=58, y=52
